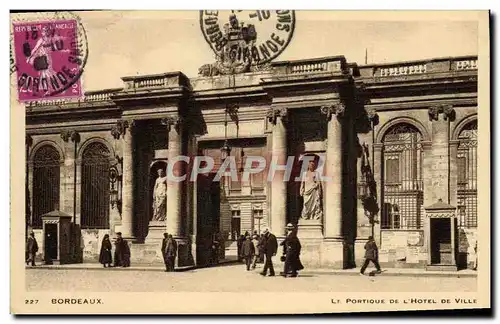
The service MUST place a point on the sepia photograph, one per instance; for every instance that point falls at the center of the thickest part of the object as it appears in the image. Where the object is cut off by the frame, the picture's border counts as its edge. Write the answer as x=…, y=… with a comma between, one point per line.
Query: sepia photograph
x=214, y=161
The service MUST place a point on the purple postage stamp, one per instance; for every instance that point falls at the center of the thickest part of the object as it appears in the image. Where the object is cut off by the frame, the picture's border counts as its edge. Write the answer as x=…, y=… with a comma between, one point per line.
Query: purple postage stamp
x=49, y=59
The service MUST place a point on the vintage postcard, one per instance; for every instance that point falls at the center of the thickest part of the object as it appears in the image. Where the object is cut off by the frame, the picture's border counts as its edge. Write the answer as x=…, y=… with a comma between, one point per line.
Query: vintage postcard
x=227, y=161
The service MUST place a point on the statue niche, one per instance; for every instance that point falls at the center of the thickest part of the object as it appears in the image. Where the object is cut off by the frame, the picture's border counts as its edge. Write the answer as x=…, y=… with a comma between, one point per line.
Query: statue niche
x=312, y=193
x=158, y=179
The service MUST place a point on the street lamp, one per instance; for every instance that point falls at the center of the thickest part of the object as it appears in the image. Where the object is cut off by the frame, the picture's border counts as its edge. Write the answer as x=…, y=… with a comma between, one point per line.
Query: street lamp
x=114, y=194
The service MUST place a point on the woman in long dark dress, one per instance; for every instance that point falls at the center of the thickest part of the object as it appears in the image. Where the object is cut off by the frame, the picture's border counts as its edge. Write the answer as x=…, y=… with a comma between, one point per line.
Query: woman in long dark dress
x=105, y=255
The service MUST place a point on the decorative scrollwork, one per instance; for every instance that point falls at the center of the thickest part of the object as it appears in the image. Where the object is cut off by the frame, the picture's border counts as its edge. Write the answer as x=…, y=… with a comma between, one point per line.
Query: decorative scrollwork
x=273, y=114
x=447, y=111
x=170, y=121
x=47, y=155
x=96, y=151
x=120, y=128
x=372, y=115
x=66, y=135
x=335, y=109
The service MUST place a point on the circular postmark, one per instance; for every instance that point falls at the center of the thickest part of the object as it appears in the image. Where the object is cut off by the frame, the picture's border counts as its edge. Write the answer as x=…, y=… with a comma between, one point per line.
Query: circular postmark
x=247, y=36
x=48, y=53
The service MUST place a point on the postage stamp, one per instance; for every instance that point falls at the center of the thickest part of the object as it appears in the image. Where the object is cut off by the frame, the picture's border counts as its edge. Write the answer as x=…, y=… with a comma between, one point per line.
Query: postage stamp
x=49, y=59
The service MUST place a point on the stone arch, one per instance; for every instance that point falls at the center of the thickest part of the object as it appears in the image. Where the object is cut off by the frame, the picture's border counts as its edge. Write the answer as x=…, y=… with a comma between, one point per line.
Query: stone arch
x=461, y=124
x=92, y=140
x=400, y=120
x=41, y=144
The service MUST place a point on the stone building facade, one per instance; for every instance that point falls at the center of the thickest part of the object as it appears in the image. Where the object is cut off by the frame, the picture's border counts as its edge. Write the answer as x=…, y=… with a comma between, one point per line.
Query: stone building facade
x=401, y=135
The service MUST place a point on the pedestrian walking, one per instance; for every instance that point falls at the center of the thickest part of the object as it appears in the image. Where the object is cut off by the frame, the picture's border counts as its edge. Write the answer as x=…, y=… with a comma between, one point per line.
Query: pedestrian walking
x=248, y=251
x=256, y=242
x=239, y=244
x=31, y=249
x=371, y=254
x=270, y=249
x=291, y=252
x=105, y=254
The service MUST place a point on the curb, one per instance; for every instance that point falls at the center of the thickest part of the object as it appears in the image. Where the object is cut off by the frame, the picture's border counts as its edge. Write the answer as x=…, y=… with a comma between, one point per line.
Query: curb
x=387, y=273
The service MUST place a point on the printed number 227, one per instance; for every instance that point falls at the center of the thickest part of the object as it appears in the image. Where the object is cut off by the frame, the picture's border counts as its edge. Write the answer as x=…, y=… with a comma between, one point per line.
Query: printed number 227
x=31, y=301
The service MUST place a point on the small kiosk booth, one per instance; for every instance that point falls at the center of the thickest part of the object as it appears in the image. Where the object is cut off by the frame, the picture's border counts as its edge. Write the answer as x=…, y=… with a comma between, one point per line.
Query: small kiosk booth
x=56, y=237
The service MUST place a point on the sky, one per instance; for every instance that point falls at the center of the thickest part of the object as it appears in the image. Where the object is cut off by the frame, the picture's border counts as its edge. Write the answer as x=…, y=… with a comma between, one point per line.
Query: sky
x=125, y=43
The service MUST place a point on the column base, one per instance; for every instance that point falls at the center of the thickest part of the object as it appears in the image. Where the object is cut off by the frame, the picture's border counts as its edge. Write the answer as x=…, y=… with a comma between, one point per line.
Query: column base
x=310, y=229
x=156, y=230
x=185, y=255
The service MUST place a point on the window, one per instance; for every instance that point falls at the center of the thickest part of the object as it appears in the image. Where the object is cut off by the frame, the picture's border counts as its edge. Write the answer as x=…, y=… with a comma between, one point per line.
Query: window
x=46, y=178
x=392, y=170
x=467, y=176
x=402, y=174
x=235, y=224
x=95, y=186
x=257, y=220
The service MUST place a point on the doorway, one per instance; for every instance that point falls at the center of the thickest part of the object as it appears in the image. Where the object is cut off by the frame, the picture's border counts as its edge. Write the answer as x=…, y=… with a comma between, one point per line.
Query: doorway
x=208, y=217
x=50, y=243
x=441, y=249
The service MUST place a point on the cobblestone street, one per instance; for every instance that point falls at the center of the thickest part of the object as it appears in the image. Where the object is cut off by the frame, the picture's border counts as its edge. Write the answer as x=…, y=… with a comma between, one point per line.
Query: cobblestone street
x=233, y=278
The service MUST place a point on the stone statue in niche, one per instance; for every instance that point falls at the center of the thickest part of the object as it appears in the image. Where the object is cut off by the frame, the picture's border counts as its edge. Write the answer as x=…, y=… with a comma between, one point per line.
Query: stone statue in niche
x=312, y=192
x=160, y=197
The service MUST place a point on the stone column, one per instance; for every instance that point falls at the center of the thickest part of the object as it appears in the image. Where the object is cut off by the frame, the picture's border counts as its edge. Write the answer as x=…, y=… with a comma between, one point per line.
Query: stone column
x=440, y=154
x=333, y=169
x=28, y=144
x=68, y=176
x=127, y=133
x=174, y=188
x=377, y=173
x=277, y=117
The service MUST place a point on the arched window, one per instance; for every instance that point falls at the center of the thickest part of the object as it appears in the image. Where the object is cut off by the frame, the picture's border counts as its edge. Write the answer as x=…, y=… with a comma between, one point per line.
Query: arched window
x=402, y=178
x=95, y=186
x=467, y=176
x=46, y=178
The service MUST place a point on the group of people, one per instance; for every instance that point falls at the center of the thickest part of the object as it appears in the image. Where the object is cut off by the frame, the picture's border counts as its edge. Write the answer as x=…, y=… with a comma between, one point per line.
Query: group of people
x=122, y=252
x=250, y=250
x=266, y=245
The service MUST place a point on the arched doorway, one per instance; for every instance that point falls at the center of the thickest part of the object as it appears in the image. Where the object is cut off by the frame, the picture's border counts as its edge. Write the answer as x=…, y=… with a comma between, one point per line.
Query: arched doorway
x=95, y=186
x=46, y=179
x=402, y=178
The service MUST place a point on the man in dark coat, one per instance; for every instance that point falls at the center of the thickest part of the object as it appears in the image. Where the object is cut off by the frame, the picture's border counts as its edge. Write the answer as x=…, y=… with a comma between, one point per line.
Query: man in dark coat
x=122, y=252
x=170, y=253
x=248, y=251
x=371, y=254
x=270, y=249
x=291, y=250
x=32, y=249
x=163, y=249
x=239, y=244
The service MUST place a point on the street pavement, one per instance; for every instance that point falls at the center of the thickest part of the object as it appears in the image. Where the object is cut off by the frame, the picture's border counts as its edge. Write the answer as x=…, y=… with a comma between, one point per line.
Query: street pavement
x=234, y=278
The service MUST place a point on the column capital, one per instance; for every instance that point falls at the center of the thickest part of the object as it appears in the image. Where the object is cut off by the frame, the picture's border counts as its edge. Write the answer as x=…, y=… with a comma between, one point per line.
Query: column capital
x=72, y=135
x=445, y=109
x=174, y=121
x=337, y=109
x=372, y=115
x=273, y=114
x=119, y=129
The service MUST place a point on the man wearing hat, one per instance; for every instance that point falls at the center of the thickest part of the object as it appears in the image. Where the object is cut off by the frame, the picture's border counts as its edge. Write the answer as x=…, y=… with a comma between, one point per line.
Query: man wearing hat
x=270, y=247
x=122, y=251
x=31, y=249
x=291, y=252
